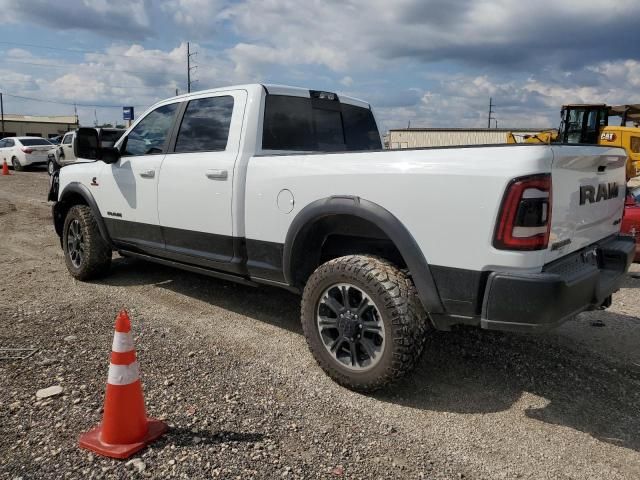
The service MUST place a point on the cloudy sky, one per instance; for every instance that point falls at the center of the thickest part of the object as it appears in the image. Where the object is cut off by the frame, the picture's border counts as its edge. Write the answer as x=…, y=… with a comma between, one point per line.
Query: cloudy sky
x=430, y=62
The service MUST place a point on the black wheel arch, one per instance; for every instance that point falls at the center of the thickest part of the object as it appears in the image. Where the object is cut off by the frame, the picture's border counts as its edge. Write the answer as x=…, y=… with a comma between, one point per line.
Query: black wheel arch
x=76, y=193
x=300, y=241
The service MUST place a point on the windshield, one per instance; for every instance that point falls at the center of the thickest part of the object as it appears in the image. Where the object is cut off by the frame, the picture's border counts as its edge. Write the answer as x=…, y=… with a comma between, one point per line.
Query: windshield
x=30, y=142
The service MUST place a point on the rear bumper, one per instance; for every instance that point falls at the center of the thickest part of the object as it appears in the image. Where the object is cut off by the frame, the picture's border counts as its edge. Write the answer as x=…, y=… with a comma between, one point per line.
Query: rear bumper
x=583, y=280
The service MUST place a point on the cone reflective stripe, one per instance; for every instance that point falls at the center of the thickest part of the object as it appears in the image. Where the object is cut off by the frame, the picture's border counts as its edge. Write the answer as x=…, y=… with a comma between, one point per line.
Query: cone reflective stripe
x=123, y=374
x=125, y=428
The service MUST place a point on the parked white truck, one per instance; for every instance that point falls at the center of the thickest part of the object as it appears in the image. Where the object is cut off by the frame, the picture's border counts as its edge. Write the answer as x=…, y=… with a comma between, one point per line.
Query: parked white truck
x=266, y=184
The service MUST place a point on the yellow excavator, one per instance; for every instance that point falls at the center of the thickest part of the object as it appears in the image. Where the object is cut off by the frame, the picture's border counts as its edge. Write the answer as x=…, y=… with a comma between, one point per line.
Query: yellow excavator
x=588, y=124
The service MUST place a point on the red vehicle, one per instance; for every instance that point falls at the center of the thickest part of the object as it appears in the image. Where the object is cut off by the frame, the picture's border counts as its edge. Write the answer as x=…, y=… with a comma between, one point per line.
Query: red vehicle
x=631, y=219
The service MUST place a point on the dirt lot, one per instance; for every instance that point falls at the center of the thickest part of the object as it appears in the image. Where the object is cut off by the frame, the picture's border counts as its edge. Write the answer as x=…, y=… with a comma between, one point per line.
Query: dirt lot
x=228, y=368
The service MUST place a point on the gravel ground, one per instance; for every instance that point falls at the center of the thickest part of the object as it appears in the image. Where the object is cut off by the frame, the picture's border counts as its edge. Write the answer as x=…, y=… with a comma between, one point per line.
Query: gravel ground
x=228, y=368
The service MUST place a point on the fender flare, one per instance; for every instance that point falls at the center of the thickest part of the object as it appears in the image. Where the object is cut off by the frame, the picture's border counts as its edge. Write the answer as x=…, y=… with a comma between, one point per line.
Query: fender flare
x=80, y=189
x=383, y=219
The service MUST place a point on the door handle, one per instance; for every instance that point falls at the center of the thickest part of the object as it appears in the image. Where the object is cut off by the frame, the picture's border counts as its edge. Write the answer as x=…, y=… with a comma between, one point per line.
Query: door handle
x=148, y=174
x=217, y=174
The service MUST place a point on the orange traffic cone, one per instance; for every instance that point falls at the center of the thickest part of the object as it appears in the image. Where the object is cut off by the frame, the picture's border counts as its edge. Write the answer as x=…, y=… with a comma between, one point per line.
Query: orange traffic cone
x=5, y=167
x=125, y=428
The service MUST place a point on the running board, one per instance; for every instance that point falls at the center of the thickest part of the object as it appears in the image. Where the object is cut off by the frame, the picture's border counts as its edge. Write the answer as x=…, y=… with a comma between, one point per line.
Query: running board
x=191, y=268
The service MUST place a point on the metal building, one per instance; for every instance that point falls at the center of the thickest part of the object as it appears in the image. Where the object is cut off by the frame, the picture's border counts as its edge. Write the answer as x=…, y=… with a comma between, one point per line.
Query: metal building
x=443, y=137
x=37, y=126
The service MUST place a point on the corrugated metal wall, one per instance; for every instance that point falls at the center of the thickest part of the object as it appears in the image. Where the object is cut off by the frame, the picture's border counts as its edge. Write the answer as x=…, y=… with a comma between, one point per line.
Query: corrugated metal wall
x=415, y=138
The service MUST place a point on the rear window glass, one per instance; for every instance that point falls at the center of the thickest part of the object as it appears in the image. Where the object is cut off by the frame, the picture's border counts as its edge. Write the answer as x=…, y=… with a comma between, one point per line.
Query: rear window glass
x=30, y=142
x=360, y=129
x=303, y=124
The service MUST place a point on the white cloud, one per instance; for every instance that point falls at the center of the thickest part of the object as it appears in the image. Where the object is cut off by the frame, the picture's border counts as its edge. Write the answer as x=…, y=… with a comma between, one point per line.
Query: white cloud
x=346, y=81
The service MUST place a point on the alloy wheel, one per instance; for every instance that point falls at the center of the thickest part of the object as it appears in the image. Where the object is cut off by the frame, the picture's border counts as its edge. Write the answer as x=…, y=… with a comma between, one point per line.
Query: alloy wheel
x=75, y=243
x=350, y=327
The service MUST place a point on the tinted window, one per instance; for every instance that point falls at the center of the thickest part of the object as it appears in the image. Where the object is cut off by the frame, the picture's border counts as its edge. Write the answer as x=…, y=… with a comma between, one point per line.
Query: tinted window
x=111, y=135
x=205, y=125
x=149, y=136
x=295, y=123
x=327, y=125
x=10, y=143
x=287, y=124
x=360, y=129
x=30, y=142
x=3, y=143
x=67, y=139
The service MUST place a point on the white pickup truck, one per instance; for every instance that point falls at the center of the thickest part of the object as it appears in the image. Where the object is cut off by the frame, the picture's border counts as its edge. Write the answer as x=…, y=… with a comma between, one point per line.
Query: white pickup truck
x=283, y=186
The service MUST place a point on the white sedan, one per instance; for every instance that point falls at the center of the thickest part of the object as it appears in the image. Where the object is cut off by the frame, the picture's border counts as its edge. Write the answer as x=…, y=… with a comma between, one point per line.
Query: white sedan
x=21, y=152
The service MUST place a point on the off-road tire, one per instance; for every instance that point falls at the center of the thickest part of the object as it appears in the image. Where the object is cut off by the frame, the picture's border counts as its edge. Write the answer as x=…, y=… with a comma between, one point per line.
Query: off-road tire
x=404, y=318
x=97, y=253
x=17, y=166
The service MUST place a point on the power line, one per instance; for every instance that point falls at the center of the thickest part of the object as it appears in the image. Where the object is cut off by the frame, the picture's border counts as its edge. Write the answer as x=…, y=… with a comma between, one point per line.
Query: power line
x=93, y=67
x=53, y=65
x=31, y=45
x=67, y=103
x=78, y=50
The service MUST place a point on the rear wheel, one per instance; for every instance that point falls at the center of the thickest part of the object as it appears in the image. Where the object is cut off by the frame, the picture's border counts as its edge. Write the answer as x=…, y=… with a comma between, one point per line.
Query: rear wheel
x=86, y=254
x=17, y=166
x=363, y=321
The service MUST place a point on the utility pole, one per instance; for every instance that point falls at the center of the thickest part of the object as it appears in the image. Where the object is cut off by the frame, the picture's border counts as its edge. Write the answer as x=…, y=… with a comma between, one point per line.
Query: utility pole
x=189, y=67
x=491, y=105
x=2, y=113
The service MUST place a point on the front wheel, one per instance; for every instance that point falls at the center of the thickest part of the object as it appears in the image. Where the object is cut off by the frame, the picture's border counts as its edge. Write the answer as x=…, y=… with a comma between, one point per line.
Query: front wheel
x=86, y=254
x=363, y=321
x=51, y=167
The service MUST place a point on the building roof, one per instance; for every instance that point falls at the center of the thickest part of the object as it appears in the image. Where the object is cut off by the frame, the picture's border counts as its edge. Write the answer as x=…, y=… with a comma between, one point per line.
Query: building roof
x=462, y=129
x=10, y=117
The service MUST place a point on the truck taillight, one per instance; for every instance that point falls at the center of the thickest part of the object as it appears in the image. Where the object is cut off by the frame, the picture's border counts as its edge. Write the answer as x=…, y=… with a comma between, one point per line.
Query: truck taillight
x=524, y=221
x=27, y=150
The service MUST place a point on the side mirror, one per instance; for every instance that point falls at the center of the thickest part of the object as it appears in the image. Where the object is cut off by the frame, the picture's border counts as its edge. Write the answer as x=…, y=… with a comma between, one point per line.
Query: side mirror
x=86, y=144
x=110, y=154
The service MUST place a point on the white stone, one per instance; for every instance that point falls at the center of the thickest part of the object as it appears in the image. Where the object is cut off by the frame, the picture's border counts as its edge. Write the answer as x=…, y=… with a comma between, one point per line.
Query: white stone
x=49, y=392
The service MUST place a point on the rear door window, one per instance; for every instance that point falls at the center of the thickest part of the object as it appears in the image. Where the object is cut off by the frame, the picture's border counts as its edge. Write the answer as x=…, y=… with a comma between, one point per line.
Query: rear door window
x=205, y=125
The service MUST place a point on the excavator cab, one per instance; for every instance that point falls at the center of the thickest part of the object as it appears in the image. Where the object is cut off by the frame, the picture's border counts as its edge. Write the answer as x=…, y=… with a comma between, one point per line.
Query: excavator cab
x=582, y=123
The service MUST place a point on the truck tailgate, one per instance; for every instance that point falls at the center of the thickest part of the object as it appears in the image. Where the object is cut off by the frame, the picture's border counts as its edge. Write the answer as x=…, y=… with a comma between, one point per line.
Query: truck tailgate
x=587, y=196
